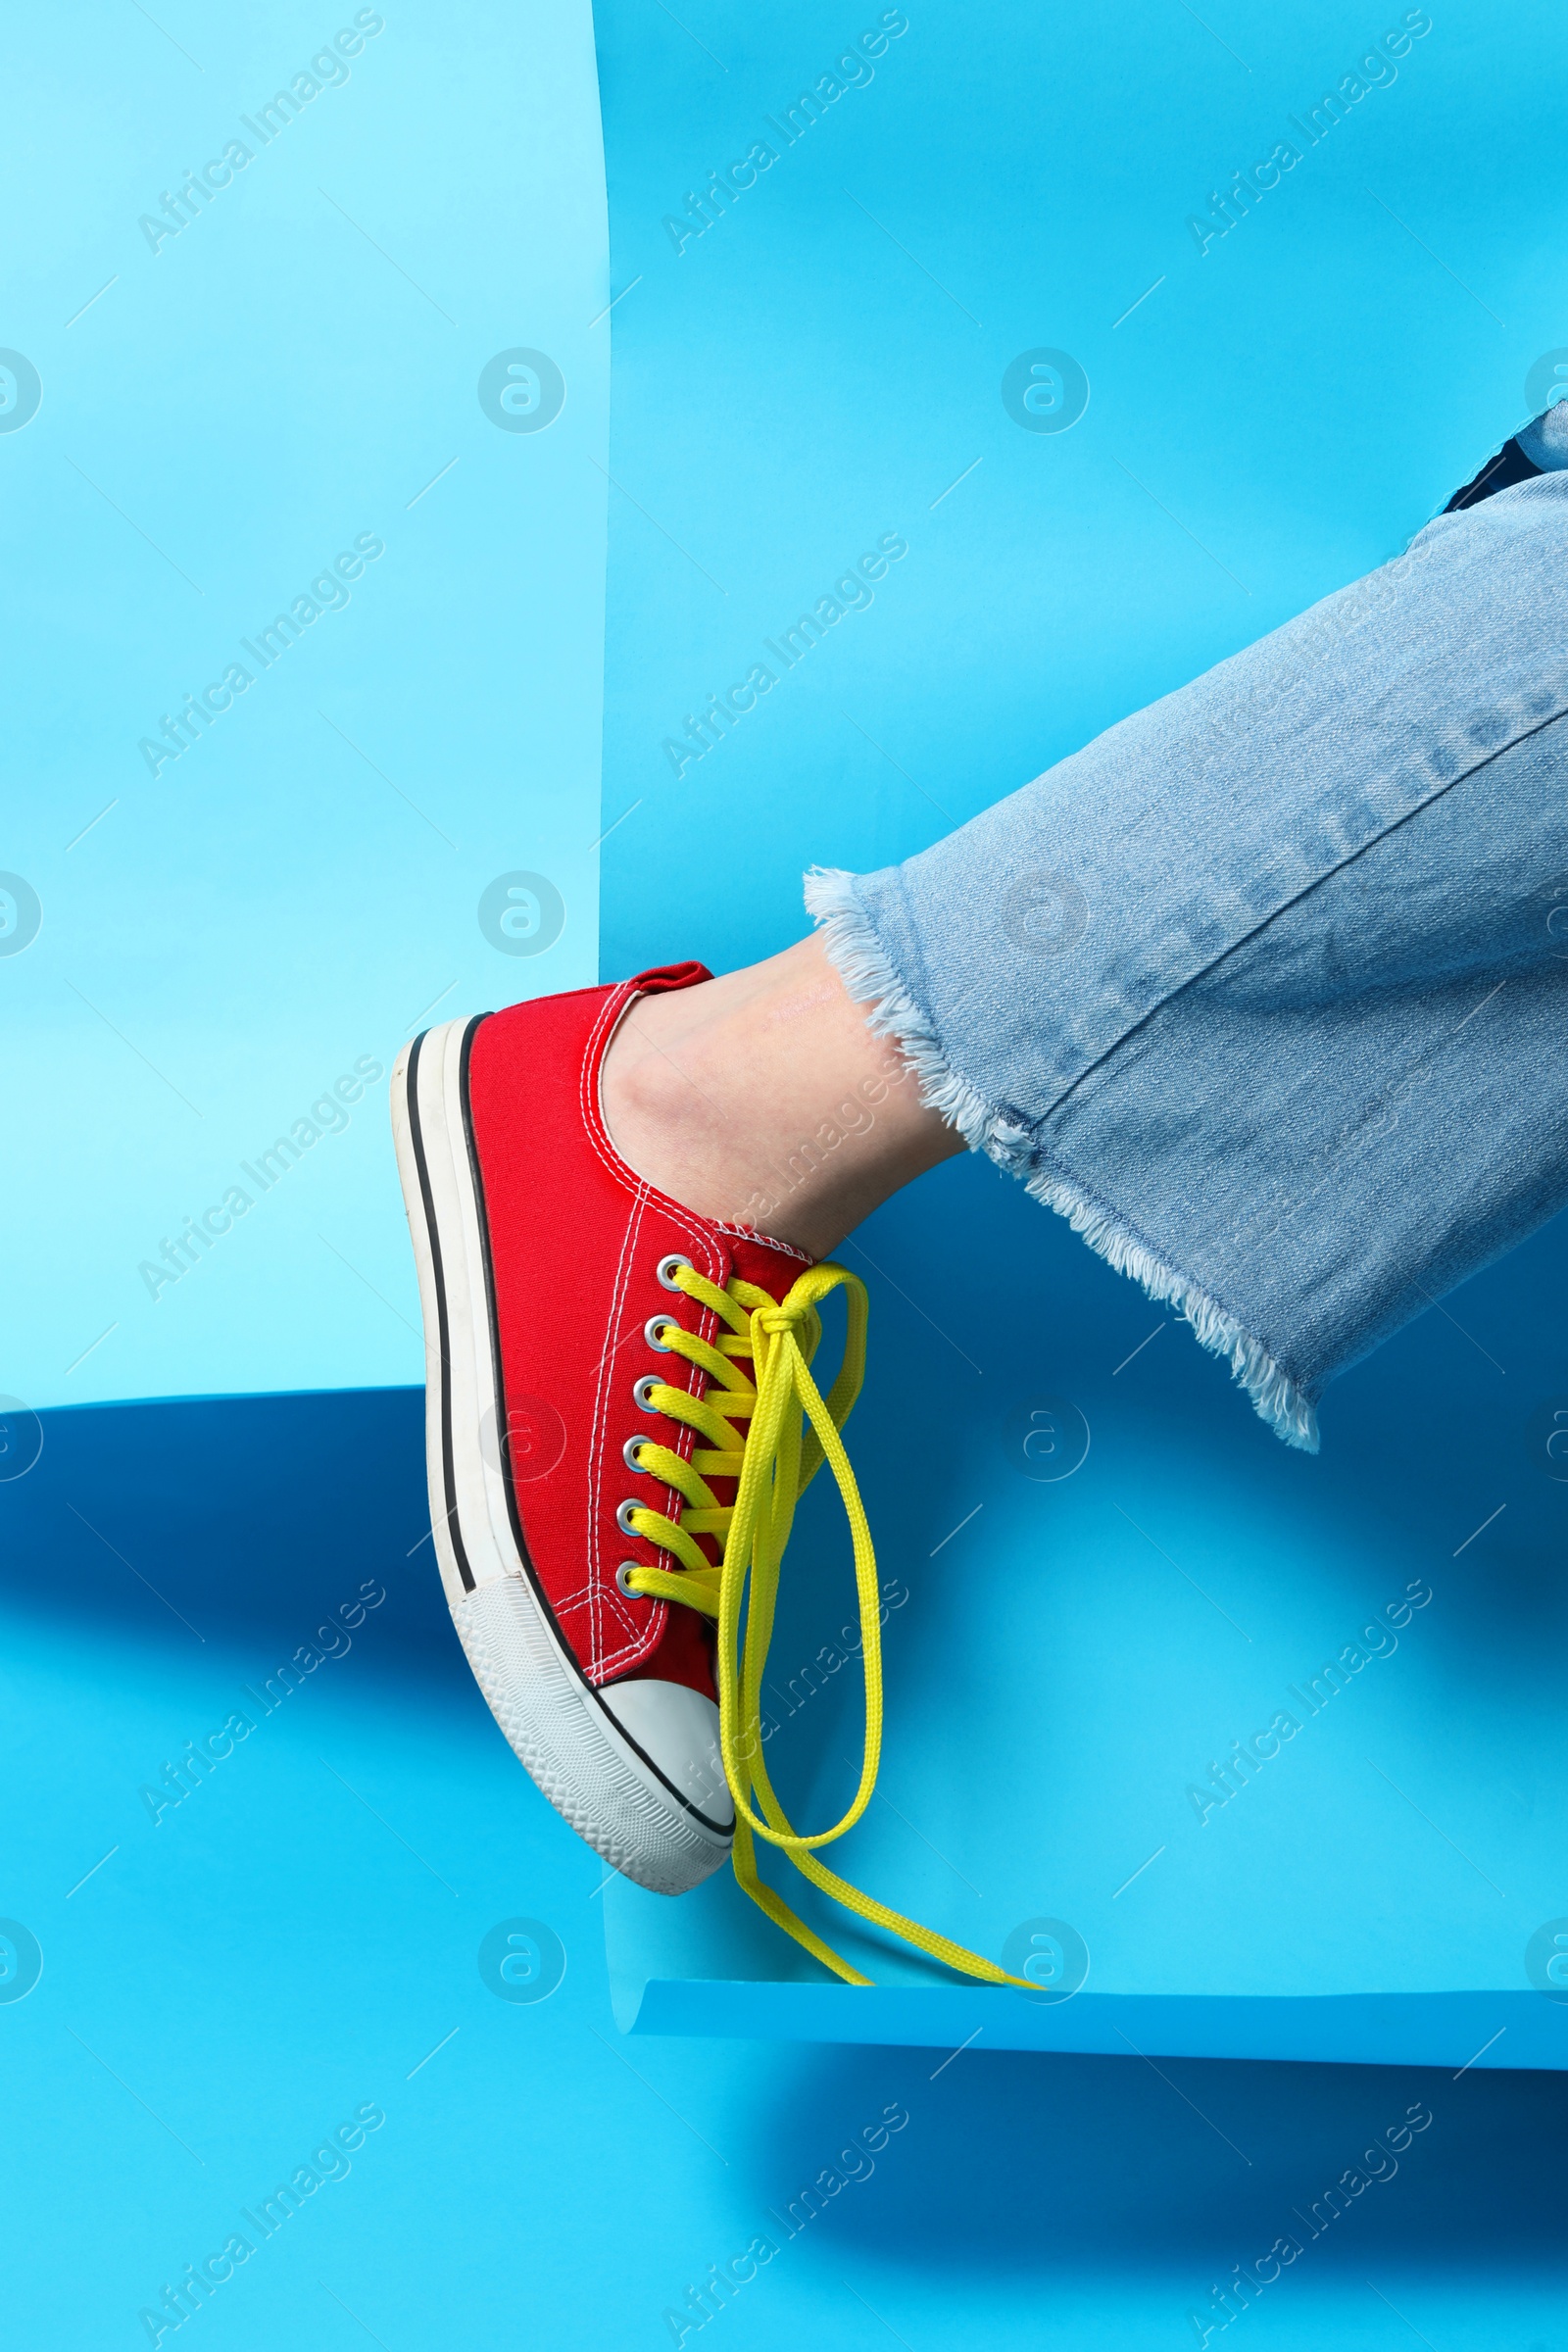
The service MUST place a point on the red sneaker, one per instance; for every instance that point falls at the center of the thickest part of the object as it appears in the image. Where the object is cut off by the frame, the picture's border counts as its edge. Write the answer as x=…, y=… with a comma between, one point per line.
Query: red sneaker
x=546, y=1269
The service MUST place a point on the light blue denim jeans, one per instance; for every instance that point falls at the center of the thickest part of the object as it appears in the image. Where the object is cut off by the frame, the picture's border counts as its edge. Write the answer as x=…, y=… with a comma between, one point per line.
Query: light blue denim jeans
x=1266, y=988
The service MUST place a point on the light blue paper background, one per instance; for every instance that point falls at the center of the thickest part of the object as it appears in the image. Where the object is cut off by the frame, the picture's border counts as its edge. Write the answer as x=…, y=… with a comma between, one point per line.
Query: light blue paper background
x=292, y=370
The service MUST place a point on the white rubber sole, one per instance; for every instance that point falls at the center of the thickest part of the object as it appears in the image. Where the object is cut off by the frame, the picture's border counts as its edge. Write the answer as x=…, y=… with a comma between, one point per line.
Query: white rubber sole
x=557, y=1723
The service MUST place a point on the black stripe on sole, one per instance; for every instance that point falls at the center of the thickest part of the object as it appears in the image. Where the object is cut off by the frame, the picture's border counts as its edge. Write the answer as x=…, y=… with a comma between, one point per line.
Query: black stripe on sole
x=717, y=1829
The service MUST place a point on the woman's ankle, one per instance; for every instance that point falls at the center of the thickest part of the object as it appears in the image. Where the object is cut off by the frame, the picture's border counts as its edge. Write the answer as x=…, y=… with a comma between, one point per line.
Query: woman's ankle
x=763, y=1098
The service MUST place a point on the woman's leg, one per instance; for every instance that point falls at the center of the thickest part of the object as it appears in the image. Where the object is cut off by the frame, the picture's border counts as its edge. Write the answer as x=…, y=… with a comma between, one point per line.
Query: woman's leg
x=764, y=1099
x=1265, y=990
x=1261, y=989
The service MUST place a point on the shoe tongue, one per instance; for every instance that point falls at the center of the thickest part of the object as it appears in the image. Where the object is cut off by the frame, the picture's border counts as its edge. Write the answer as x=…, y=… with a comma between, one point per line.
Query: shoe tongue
x=770, y=1264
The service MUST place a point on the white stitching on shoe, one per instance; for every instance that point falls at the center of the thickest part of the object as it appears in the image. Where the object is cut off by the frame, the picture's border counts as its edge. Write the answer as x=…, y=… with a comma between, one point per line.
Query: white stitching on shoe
x=597, y=1648
x=700, y=1234
x=749, y=1232
x=598, y=1655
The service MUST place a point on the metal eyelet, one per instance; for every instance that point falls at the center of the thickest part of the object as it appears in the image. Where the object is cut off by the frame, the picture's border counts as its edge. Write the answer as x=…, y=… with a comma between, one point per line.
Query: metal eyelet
x=654, y=1326
x=642, y=1392
x=621, y=1586
x=630, y=1453
x=623, y=1511
x=667, y=1267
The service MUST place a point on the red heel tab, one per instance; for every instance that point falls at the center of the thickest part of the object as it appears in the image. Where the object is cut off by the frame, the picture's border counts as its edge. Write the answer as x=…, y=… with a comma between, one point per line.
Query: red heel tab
x=667, y=977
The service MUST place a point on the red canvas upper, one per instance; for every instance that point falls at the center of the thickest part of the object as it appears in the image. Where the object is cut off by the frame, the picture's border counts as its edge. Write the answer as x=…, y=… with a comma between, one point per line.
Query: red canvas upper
x=574, y=1238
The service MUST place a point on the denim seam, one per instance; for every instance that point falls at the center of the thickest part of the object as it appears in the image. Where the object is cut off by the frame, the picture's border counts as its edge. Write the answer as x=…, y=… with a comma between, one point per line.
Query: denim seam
x=1429, y=799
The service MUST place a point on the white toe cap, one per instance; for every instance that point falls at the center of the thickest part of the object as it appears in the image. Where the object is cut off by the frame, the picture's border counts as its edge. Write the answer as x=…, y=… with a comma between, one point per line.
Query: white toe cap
x=677, y=1731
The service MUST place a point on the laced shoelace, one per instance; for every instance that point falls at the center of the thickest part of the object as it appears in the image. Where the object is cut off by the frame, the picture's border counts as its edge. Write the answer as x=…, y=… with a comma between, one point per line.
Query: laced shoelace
x=792, y=1430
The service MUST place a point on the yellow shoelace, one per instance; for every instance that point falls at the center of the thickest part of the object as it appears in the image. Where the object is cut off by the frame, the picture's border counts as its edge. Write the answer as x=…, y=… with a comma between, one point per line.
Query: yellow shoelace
x=793, y=1431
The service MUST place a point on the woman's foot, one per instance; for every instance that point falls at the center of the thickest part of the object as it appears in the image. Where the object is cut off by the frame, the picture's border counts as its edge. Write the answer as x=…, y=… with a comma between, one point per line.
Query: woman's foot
x=548, y=1279
x=551, y=1246
x=620, y=1407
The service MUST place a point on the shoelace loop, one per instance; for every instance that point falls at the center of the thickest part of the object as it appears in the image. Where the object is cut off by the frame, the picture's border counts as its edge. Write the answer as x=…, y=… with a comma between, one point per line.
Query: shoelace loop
x=792, y=1430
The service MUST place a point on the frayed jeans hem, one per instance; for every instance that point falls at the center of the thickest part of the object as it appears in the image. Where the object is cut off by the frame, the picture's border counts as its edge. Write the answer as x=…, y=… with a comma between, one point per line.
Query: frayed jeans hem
x=857, y=952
